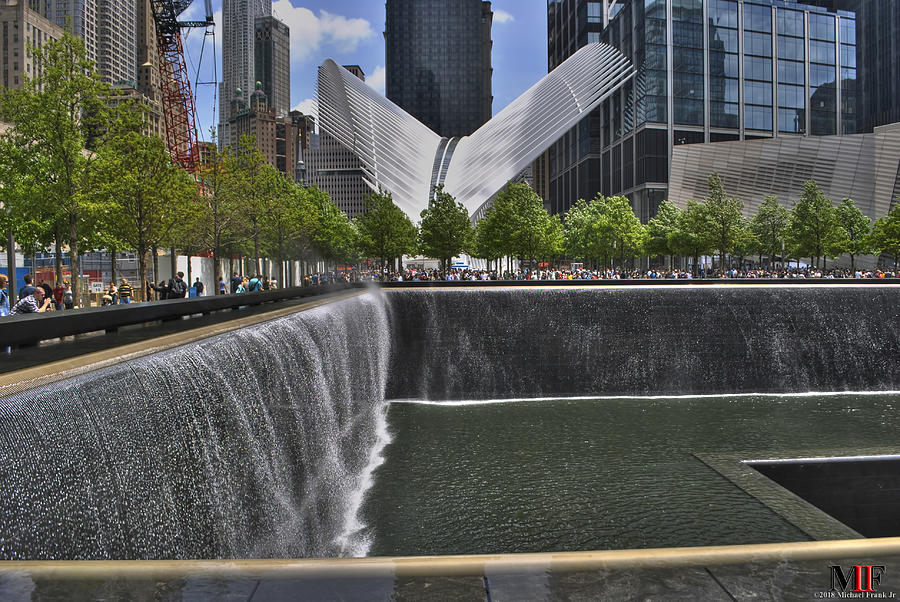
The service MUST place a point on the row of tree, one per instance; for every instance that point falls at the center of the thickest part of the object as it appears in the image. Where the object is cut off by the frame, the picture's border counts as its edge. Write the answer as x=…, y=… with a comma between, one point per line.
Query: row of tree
x=606, y=231
x=77, y=174
x=813, y=228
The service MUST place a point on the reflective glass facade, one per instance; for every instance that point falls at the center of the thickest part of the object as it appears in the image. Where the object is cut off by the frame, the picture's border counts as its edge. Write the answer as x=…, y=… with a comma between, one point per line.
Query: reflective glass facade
x=877, y=84
x=438, y=57
x=708, y=71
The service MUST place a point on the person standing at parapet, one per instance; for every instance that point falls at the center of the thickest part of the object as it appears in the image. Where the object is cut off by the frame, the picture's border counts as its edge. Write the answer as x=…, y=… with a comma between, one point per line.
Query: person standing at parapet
x=33, y=303
x=125, y=292
x=28, y=288
x=4, y=295
x=58, y=292
x=177, y=287
x=198, y=286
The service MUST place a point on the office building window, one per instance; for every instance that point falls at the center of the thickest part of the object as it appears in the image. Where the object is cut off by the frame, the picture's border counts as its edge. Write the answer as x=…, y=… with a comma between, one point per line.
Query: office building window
x=821, y=27
x=757, y=118
x=723, y=13
x=790, y=22
x=757, y=18
x=757, y=44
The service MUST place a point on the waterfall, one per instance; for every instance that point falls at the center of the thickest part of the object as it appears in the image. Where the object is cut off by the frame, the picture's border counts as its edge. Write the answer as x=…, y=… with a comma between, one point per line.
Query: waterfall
x=458, y=344
x=256, y=443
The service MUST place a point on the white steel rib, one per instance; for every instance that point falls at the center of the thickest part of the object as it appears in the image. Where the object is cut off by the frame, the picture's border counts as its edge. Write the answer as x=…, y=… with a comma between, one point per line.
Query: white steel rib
x=404, y=157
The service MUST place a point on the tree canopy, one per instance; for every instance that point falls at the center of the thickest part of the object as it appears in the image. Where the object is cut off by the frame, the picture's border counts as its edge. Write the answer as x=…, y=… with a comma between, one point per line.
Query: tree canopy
x=445, y=230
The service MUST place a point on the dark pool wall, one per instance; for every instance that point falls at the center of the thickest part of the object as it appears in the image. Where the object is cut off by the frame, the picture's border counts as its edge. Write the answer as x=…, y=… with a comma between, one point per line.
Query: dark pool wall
x=477, y=344
x=248, y=444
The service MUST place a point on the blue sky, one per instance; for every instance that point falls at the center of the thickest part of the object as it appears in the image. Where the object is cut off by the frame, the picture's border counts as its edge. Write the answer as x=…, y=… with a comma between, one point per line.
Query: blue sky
x=350, y=32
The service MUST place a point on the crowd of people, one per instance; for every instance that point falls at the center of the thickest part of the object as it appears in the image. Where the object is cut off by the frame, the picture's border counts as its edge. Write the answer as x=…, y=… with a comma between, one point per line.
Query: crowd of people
x=469, y=274
x=43, y=297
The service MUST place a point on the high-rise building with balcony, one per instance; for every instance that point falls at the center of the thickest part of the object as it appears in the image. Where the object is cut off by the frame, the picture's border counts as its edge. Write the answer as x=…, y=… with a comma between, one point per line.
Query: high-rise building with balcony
x=438, y=61
x=708, y=71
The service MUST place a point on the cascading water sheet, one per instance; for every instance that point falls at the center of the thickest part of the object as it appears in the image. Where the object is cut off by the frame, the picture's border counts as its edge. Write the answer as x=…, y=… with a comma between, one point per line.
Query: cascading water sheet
x=254, y=443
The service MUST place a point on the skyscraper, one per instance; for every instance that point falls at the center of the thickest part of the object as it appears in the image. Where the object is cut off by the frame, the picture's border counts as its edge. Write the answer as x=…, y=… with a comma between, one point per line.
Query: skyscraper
x=116, y=41
x=77, y=16
x=336, y=169
x=877, y=59
x=238, y=65
x=272, y=61
x=438, y=57
x=708, y=71
x=20, y=26
x=108, y=29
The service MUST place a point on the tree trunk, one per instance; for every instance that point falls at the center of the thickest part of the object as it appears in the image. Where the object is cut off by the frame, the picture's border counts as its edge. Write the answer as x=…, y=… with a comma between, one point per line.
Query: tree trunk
x=852, y=263
x=174, y=261
x=73, y=253
x=216, y=271
x=142, y=274
x=189, y=279
x=58, y=243
x=155, y=253
x=112, y=264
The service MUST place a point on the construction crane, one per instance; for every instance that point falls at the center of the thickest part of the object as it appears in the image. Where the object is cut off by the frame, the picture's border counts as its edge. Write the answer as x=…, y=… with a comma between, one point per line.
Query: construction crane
x=177, y=100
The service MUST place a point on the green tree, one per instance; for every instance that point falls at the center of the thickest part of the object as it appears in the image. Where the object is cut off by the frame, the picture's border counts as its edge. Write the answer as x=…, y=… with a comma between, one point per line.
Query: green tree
x=58, y=114
x=529, y=232
x=885, y=236
x=445, y=230
x=603, y=229
x=385, y=231
x=813, y=224
x=145, y=197
x=725, y=227
x=853, y=231
x=691, y=238
x=19, y=221
x=289, y=226
x=252, y=182
x=337, y=237
x=493, y=233
x=769, y=225
x=660, y=228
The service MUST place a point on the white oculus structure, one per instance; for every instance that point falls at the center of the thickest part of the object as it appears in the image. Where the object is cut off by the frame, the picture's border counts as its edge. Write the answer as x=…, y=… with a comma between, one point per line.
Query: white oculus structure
x=404, y=157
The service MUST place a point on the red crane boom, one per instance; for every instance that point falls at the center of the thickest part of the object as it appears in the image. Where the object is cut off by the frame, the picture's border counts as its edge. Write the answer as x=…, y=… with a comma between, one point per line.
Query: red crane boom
x=177, y=100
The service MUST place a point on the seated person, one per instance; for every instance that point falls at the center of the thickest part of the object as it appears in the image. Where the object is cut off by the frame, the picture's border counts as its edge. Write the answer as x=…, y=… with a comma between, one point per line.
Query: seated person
x=33, y=303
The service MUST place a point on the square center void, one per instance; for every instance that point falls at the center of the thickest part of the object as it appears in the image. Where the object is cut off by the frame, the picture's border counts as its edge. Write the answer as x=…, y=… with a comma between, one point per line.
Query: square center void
x=861, y=492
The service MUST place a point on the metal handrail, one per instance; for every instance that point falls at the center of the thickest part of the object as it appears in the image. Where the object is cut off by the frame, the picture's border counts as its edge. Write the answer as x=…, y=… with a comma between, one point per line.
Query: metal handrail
x=443, y=566
x=29, y=329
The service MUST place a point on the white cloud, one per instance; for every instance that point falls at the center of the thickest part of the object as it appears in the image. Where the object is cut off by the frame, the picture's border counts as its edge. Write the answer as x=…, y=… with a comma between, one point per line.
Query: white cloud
x=376, y=80
x=309, y=32
x=346, y=33
x=310, y=106
x=501, y=16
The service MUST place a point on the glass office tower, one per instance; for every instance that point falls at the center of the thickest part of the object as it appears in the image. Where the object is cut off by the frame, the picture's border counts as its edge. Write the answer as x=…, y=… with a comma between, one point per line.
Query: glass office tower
x=438, y=57
x=708, y=71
